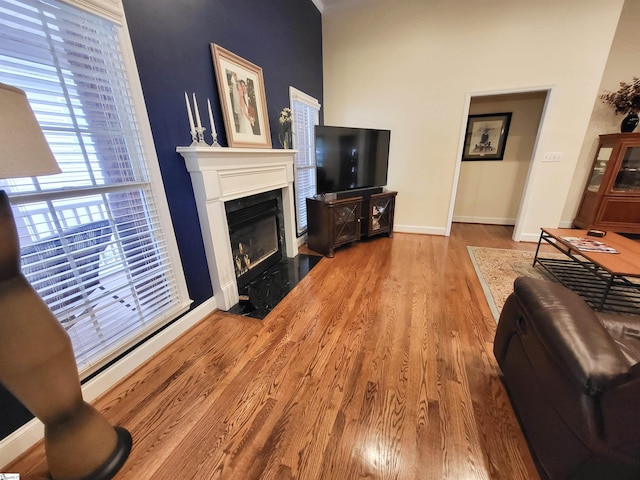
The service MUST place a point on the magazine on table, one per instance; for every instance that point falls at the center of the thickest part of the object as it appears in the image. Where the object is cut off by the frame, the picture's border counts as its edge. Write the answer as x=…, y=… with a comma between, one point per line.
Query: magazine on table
x=589, y=245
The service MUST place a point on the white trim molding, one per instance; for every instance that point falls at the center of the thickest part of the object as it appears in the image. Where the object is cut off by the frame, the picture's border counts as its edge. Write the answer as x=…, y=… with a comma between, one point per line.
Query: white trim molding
x=109, y=9
x=300, y=96
x=420, y=230
x=485, y=220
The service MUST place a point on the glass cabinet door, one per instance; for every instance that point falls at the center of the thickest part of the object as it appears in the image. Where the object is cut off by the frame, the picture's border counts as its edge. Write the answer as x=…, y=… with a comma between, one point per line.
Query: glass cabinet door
x=604, y=154
x=346, y=221
x=380, y=213
x=628, y=178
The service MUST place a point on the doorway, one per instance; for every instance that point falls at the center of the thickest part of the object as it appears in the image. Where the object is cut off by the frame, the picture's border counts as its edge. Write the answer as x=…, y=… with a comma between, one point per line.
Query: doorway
x=493, y=191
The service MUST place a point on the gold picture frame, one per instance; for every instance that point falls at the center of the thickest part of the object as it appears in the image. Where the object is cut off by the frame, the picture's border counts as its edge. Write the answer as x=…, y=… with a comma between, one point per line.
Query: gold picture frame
x=244, y=103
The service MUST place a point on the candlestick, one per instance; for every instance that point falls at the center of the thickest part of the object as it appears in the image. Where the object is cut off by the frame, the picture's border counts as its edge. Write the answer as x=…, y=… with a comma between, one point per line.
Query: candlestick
x=200, y=136
x=192, y=131
x=213, y=125
x=195, y=107
x=191, y=126
x=214, y=133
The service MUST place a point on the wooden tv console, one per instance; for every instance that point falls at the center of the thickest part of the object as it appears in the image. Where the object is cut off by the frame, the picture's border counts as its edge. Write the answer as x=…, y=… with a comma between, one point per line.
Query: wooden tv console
x=339, y=218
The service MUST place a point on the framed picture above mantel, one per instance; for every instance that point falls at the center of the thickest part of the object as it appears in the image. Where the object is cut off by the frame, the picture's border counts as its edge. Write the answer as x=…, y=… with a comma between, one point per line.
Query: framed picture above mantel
x=244, y=104
x=486, y=136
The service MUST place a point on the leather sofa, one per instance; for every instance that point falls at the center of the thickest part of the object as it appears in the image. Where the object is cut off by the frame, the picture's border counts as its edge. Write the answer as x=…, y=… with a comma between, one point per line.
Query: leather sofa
x=573, y=377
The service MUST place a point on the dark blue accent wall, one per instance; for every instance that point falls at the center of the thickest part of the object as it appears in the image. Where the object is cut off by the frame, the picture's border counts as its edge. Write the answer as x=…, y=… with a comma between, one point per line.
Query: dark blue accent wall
x=171, y=42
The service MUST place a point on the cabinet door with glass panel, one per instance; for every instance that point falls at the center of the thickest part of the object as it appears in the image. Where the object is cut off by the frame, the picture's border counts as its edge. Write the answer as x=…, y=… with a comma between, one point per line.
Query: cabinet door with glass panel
x=599, y=168
x=332, y=222
x=627, y=179
x=380, y=208
x=611, y=199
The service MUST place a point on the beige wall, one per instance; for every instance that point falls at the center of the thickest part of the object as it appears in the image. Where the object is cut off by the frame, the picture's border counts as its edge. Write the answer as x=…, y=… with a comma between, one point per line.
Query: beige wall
x=623, y=64
x=412, y=69
x=490, y=191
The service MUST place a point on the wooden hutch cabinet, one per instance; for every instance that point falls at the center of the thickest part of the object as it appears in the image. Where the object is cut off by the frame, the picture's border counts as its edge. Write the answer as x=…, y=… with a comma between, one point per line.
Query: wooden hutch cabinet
x=337, y=219
x=611, y=199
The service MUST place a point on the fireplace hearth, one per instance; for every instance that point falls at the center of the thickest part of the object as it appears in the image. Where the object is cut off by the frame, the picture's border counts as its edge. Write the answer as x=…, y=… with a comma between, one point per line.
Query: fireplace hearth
x=262, y=294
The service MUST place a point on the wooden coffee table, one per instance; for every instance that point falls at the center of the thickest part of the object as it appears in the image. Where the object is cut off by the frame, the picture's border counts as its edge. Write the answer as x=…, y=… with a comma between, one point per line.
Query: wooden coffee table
x=607, y=281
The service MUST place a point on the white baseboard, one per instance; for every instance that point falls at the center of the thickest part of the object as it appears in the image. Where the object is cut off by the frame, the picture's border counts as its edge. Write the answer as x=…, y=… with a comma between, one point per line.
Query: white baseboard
x=485, y=220
x=530, y=237
x=20, y=441
x=32, y=432
x=420, y=230
x=116, y=372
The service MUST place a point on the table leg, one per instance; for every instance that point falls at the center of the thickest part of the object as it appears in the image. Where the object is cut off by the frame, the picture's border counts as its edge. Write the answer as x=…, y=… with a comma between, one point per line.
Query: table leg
x=535, y=257
x=607, y=288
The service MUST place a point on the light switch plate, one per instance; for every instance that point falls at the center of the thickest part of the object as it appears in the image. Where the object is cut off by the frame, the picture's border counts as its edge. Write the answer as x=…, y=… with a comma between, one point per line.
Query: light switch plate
x=552, y=157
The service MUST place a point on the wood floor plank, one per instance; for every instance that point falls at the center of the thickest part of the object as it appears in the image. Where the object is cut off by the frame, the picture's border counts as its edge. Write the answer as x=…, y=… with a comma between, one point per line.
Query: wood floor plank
x=378, y=365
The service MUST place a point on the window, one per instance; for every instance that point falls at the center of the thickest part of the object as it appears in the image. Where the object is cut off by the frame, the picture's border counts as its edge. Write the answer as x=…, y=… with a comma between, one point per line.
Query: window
x=96, y=241
x=306, y=112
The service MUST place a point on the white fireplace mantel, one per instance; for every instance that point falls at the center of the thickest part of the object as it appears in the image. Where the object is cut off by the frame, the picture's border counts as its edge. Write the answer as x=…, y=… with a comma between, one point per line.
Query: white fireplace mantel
x=222, y=174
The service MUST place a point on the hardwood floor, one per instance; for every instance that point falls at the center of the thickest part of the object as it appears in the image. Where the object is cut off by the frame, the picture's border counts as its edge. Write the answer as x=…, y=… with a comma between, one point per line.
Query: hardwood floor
x=378, y=365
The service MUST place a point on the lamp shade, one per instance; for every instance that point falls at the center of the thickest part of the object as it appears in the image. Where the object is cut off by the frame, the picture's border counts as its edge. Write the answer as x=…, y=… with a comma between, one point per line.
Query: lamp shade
x=24, y=152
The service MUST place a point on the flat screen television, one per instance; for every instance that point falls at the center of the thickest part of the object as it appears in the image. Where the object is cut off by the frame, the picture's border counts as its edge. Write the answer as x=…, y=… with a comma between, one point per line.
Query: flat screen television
x=350, y=158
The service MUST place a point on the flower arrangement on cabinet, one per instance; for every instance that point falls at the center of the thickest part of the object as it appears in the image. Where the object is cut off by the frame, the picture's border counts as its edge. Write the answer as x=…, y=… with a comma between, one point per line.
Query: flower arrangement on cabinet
x=626, y=101
x=286, y=136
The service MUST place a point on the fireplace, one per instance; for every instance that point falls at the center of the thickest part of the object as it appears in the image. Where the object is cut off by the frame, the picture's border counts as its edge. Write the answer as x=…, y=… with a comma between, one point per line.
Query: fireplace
x=255, y=235
x=220, y=176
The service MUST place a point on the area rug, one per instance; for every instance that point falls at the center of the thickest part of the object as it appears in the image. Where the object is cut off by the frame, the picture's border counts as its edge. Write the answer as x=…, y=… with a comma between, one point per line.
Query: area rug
x=497, y=269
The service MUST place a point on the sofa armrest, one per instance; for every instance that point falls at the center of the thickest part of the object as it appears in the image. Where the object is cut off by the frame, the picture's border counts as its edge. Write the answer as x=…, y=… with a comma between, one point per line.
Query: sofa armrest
x=572, y=334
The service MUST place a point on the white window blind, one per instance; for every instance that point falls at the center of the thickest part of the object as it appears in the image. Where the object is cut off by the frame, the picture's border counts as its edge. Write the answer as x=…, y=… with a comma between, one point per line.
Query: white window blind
x=94, y=243
x=306, y=112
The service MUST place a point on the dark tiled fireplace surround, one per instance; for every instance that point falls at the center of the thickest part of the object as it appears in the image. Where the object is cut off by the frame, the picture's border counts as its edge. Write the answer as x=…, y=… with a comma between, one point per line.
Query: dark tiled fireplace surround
x=255, y=234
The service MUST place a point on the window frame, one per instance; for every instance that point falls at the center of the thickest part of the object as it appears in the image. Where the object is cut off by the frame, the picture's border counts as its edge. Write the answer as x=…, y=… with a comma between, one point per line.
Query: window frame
x=300, y=196
x=113, y=11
